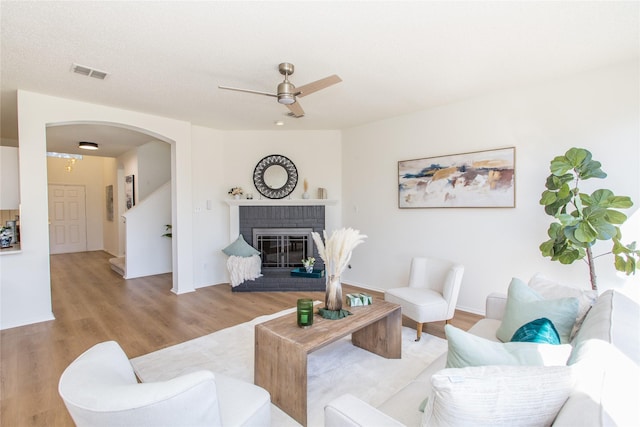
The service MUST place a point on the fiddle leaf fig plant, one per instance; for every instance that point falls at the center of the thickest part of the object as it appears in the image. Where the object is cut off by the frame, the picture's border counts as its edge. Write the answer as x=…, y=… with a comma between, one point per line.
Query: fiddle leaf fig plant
x=582, y=219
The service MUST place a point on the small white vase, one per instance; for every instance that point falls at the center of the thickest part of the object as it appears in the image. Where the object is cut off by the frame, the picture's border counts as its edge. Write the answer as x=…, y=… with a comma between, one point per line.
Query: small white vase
x=236, y=196
x=305, y=195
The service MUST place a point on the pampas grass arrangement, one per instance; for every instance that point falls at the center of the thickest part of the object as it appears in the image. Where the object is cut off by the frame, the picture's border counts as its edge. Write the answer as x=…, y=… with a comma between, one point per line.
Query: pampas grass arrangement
x=336, y=252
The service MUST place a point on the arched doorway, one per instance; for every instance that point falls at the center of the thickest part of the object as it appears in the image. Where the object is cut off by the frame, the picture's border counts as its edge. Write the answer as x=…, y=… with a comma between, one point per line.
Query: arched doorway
x=26, y=283
x=96, y=221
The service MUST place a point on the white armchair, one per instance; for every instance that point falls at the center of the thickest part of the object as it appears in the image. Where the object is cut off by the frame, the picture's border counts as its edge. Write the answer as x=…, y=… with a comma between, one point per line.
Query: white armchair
x=100, y=388
x=432, y=293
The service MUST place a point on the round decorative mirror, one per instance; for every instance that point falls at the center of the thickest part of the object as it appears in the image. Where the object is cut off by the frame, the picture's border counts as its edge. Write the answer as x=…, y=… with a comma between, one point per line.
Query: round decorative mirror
x=275, y=176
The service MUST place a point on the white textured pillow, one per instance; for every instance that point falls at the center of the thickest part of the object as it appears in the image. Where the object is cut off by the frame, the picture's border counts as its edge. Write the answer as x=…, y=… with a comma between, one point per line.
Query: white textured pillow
x=552, y=290
x=497, y=396
x=466, y=349
x=524, y=305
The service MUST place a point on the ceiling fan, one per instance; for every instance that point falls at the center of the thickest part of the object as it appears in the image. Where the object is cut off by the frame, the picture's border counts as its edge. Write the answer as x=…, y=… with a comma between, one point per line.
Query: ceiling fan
x=287, y=92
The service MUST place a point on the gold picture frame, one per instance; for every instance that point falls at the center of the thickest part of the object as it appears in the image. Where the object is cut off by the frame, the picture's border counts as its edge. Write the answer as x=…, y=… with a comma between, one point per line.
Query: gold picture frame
x=479, y=179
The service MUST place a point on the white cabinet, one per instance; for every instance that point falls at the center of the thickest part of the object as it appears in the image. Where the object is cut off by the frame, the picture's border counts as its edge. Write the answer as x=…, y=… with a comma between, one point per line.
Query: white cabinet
x=9, y=181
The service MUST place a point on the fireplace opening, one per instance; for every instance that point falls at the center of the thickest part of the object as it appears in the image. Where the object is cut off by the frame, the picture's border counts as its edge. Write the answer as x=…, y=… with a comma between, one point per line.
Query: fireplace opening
x=283, y=248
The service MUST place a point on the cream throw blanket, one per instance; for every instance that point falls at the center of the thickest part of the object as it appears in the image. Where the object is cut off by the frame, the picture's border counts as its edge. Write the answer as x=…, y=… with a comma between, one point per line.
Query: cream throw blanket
x=243, y=268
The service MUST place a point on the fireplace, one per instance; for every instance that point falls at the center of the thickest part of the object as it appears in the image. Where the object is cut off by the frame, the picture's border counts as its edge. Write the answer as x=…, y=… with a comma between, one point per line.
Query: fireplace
x=283, y=248
x=282, y=234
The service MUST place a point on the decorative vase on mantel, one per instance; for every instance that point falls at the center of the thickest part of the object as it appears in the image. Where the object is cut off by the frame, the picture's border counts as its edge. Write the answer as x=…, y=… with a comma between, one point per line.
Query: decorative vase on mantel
x=333, y=295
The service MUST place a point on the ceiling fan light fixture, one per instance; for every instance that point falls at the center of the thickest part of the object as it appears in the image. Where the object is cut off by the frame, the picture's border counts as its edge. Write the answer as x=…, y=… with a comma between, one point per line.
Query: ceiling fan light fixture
x=85, y=145
x=286, y=99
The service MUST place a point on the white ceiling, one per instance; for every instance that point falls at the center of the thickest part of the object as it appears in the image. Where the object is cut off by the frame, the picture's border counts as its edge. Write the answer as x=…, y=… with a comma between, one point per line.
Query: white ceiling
x=112, y=141
x=167, y=58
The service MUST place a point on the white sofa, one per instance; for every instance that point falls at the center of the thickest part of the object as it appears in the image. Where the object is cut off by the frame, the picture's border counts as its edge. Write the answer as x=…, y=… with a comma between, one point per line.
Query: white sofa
x=604, y=361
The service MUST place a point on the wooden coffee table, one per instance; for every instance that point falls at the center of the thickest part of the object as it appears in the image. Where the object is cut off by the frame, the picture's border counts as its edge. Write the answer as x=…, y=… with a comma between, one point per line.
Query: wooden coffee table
x=281, y=349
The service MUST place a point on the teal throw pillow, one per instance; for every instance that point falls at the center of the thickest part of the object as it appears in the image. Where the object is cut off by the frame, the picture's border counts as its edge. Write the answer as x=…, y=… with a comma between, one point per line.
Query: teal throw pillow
x=240, y=248
x=524, y=305
x=466, y=349
x=539, y=330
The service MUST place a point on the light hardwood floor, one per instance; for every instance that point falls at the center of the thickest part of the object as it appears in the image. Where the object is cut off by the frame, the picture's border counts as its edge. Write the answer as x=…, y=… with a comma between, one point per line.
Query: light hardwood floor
x=92, y=304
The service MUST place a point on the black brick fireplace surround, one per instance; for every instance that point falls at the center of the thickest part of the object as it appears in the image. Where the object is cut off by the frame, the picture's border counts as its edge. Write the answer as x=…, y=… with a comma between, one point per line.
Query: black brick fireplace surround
x=281, y=217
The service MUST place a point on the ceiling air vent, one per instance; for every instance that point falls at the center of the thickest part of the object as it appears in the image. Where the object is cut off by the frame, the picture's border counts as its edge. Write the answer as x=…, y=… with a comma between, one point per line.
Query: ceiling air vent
x=88, y=71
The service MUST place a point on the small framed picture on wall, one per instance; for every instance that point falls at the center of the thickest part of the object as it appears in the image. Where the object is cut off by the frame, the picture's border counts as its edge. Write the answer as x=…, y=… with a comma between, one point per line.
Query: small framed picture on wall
x=129, y=191
x=109, y=202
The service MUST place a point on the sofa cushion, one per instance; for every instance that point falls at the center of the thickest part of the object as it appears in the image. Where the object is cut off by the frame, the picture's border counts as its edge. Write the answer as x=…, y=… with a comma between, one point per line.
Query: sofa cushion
x=404, y=405
x=497, y=396
x=539, y=331
x=486, y=328
x=550, y=289
x=240, y=248
x=466, y=349
x=607, y=389
x=524, y=305
x=614, y=318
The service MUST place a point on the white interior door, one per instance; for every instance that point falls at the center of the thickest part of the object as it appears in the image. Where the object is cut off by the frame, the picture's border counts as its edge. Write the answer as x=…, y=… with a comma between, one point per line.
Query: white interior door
x=67, y=219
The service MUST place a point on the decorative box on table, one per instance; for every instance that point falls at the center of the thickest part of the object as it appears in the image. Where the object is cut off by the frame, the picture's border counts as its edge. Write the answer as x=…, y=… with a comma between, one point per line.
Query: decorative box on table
x=366, y=299
x=301, y=272
x=359, y=299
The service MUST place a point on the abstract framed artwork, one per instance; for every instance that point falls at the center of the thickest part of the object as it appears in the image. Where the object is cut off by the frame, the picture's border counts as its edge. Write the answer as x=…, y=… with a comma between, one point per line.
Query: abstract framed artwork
x=481, y=179
x=129, y=191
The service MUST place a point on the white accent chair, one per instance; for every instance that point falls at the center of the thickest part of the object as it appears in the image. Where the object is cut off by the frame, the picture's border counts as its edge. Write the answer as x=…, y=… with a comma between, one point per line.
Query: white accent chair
x=100, y=388
x=432, y=293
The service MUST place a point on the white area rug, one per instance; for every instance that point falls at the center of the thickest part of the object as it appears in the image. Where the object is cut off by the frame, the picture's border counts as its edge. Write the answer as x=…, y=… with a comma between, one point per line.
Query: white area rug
x=332, y=371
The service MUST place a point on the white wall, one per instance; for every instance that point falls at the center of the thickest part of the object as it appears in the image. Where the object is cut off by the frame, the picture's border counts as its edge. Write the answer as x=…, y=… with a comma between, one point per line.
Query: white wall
x=154, y=167
x=9, y=182
x=598, y=111
x=148, y=253
x=225, y=159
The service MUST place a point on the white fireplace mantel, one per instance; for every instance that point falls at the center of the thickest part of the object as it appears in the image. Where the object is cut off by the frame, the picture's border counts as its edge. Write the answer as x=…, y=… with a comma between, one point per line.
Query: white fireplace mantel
x=281, y=202
x=234, y=209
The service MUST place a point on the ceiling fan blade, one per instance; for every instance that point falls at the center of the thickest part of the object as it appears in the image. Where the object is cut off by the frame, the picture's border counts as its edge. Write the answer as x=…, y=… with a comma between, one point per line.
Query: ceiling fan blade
x=257, y=92
x=295, y=109
x=317, y=85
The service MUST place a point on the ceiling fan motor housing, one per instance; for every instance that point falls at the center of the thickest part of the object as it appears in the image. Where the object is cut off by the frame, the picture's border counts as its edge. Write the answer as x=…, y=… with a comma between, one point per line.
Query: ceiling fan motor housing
x=286, y=93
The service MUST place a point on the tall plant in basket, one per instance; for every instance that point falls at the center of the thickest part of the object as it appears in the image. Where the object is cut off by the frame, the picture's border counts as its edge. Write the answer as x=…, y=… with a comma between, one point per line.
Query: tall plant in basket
x=336, y=251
